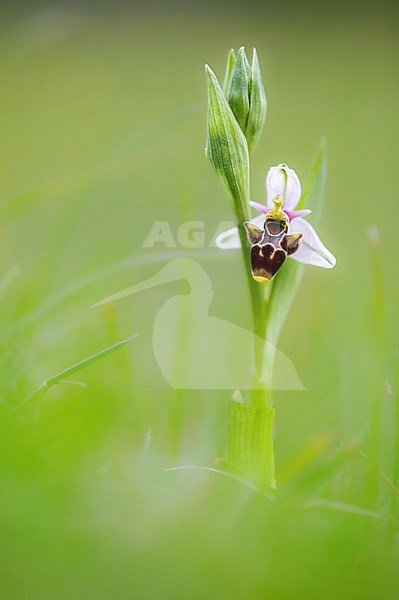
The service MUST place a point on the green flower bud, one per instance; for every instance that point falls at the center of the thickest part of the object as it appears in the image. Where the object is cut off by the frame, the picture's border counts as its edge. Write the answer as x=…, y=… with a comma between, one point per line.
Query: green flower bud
x=246, y=95
x=231, y=61
x=227, y=147
x=239, y=89
x=257, y=105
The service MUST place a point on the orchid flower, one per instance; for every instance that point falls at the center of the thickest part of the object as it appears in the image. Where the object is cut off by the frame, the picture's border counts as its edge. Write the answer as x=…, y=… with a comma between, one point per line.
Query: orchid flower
x=279, y=231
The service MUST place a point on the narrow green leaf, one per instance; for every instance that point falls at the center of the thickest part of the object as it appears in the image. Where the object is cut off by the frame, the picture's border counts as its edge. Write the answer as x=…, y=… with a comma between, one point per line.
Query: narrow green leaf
x=231, y=61
x=45, y=385
x=313, y=192
x=87, y=361
x=116, y=296
x=227, y=147
x=257, y=105
x=281, y=299
x=343, y=507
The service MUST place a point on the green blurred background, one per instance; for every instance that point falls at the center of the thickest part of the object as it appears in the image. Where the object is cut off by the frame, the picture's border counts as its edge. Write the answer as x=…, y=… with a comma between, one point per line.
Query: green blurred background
x=103, y=111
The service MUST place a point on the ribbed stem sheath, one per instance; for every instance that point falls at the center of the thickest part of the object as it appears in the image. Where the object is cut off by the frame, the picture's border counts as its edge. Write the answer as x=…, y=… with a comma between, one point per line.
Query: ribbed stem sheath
x=251, y=451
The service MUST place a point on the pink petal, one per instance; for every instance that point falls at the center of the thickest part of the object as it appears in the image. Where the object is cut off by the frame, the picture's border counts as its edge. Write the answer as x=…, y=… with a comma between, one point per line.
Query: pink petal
x=294, y=214
x=312, y=251
x=259, y=207
x=291, y=214
x=283, y=181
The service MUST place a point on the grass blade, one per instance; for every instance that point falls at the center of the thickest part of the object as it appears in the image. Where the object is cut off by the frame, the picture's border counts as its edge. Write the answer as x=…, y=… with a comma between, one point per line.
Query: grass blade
x=48, y=383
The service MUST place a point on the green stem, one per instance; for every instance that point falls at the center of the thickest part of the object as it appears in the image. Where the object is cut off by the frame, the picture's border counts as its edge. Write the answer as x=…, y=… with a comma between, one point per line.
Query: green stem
x=257, y=303
x=251, y=451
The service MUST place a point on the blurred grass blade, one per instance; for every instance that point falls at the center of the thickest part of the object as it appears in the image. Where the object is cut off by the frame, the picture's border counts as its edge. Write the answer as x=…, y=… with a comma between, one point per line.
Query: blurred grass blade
x=116, y=296
x=314, y=190
x=343, y=507
x=8, y=278
x=45, y=385
x=231, y=61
